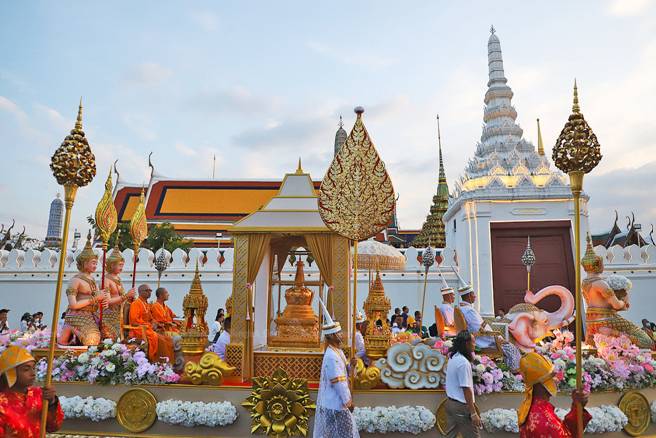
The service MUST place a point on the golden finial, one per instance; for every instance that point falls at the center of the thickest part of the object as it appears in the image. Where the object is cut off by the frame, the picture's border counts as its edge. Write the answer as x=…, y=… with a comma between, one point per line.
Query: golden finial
x=138, y=223
x=540, y=143
x=299, y=169
x=575, y=106
x=78, y=122
x=106, y=216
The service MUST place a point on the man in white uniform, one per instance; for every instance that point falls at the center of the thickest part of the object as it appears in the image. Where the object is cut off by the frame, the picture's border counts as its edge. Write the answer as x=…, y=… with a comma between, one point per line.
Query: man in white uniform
x=446, y=308
x=360, y=326
x=224, y=339
x=333, y=417
x=473, y=318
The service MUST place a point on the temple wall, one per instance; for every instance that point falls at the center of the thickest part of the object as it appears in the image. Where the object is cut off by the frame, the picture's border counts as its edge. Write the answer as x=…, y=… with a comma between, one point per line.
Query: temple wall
x=27, y=280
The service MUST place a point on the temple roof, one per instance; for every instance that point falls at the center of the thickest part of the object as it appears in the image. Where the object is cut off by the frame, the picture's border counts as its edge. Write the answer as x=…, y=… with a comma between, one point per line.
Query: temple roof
x=293, y=208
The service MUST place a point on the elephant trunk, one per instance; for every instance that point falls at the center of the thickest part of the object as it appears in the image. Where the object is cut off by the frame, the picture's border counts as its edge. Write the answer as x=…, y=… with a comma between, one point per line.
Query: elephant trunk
x=561, y=317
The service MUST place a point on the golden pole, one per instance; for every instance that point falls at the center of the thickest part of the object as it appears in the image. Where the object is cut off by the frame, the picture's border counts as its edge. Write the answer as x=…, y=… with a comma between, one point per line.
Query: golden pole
x=423, y=299
x=576, y=183
x=355, y=304
x=69, y=198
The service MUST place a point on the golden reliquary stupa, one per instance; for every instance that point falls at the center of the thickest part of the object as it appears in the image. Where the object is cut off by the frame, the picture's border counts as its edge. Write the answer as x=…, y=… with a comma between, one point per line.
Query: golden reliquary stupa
x=377, y=306
x=195, y=331
x=298, y=326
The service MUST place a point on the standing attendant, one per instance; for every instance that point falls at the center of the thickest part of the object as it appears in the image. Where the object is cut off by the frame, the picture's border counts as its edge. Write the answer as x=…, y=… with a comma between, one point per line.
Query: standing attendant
x=333, y=417
x=462, y=417
x=216, y=327
x=20, y=402
x=224, y=339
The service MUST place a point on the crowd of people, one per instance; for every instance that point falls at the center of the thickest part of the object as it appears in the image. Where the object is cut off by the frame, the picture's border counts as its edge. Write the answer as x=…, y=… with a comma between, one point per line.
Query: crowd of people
x=29, y=322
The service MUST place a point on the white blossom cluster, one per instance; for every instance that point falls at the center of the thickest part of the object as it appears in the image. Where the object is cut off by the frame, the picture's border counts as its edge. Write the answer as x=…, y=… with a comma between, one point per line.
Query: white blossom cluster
x=500, y=420
x=605, y=419
x=386, y=419
x=191, y=414
x=95, y=409
x=653, y=411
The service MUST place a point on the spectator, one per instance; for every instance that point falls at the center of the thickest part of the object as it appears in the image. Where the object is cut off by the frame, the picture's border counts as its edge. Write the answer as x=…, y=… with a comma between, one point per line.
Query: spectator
x=404, y=314
x=500, y=314
x=397, y=327
x=397, y=312
x=462, y=417
x=26, y=323
x=419, y=328
x=37, y=321
x=648, y=327
x=216, y=327
x=4, y=325
x=224, y=339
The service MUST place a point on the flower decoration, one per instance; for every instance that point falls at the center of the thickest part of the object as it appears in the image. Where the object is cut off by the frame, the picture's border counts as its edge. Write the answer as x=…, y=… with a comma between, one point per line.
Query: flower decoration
x=95, y=409
x=488, y=377
x=280, y=406
x=390, y=419
x=192, y=414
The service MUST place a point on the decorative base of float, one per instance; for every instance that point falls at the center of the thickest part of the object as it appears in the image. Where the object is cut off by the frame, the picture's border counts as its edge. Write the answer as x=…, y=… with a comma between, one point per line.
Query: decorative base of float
x=306, y=364
x=237, y=394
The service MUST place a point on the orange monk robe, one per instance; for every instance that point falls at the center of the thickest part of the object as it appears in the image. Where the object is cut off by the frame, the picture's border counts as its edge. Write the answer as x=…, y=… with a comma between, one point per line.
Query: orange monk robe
x=163, y=316
x=158, y=345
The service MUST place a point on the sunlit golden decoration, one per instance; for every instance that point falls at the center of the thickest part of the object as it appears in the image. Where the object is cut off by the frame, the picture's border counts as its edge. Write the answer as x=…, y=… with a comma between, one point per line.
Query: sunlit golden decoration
x=356, y=198
x=636, y=408
x=73, y=165
x=375, y=255
x=576, y=153
x=136, y=410
x=366, y=377
x=412, y=366
x=377, y=306
x=298, y=326
x=194, y=332
x=209, y=370
x=279, y=406
x=138, y=232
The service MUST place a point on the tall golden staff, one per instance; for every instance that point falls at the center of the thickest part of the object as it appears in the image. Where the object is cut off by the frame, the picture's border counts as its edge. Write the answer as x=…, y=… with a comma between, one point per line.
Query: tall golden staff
x=528, y=260
x=106, y=221
x=73, y=165
x=356, y=198
x=138, y=232
x=576, y=153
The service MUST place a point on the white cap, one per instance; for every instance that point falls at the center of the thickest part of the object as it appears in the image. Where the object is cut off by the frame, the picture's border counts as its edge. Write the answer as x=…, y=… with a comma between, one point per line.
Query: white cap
x=447, y=290
x=359, y=318
x=464, y=290
x=329, y=326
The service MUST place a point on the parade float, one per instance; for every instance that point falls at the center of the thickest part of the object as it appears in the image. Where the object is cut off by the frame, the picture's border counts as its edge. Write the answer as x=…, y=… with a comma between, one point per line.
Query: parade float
x=267, y=383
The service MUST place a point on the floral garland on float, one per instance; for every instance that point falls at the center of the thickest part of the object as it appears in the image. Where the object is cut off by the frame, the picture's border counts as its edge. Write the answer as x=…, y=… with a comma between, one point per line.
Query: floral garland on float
x=192, y=414
x=27, y=340
x=95, y=409
x=390, y=419
x=109, y=363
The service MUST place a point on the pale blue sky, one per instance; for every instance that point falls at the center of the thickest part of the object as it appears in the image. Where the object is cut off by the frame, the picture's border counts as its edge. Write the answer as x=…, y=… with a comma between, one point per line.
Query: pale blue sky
x=261, y=83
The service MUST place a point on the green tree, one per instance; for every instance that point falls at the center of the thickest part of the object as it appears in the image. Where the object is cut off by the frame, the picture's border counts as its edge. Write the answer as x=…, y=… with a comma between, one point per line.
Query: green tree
x=164, y=235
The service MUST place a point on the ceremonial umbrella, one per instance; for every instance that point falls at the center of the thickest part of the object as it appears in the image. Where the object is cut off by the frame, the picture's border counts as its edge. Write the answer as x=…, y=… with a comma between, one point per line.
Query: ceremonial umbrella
x=380, y=257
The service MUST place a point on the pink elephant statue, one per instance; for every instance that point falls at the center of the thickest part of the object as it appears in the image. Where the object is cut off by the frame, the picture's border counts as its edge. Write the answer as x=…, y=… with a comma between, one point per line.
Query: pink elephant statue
x=530, y=324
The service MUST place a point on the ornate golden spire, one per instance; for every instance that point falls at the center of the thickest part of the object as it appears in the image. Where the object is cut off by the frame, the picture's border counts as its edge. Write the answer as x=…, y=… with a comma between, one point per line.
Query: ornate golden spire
x=106, y=216
x=299, y=169
x=575, y=105
x=78, y=122
x=138, y=223
x=540, y=143
x=591, y=262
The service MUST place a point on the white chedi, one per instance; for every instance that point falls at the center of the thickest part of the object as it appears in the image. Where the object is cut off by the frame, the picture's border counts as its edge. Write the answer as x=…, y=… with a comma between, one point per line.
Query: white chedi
x=390, y=419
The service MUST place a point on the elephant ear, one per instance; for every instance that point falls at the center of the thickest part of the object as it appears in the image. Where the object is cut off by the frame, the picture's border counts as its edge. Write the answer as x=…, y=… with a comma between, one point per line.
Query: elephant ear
x=519, y=328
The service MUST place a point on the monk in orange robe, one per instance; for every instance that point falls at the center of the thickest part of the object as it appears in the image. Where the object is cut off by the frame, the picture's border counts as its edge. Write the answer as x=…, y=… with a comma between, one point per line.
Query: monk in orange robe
x=162, y=314
x=159, y=345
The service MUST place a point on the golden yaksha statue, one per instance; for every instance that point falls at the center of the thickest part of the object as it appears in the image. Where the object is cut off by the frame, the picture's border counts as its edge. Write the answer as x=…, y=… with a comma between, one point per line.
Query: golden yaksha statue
x=298, y=326
x=603, y=304
x=376, y=306
x=194, y=330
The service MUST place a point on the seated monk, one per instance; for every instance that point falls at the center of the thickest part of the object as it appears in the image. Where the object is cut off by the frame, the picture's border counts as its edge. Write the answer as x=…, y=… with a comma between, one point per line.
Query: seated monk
x=162, y=314
x=159, y=345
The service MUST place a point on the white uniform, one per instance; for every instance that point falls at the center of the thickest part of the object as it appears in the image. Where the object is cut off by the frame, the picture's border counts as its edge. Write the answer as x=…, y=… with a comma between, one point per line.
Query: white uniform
x=447, y=313
x=220, y=346
x=474, y=323
x=359, y=346
x=332, y=419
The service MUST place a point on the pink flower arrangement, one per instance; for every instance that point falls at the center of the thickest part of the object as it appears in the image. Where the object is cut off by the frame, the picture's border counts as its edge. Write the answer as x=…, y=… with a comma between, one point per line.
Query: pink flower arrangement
x=487, y=376
x=27, y=340
x=443, y=346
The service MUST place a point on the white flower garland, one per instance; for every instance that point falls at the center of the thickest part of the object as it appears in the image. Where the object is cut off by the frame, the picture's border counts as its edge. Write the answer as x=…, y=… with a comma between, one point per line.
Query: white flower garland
x=191, y=414
x=95, y=409
x=653, y=411
x=384, y=419
x=605, y=419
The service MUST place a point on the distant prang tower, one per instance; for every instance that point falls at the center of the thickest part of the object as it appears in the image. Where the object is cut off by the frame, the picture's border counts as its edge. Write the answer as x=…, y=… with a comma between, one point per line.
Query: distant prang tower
x=53, y=236
x=340, y=136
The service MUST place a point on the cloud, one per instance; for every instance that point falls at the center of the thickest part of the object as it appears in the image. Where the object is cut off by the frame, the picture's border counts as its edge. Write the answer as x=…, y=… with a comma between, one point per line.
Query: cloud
x=234, y=100
x=148, y=74
x=360, y=59
x=140, y=124
x=627, y=8
x=54, y=117
x=291, y=133
x=11, y=107
x=207, y=21
x=185, y=150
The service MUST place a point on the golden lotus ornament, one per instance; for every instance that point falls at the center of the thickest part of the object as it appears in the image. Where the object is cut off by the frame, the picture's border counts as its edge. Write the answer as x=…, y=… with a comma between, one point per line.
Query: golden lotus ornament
x=139, y=224
x=280, y=406
x=106, y=216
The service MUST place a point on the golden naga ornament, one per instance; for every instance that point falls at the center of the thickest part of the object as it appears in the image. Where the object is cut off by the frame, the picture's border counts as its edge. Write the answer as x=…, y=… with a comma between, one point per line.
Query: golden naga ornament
x=106, y=216
x=210, y=370
x=73, y=163
x=138, y=223
x=356, y=199
x=636, y=408
x=280, y=406
x=366, y=377
x=136, y=410
x=577, y=148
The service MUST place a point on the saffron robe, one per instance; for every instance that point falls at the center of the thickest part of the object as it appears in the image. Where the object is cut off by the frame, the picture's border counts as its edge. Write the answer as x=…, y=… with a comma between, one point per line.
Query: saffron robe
x=542, y=422
x=158, y=345
x=163, y=316
x=20, y=414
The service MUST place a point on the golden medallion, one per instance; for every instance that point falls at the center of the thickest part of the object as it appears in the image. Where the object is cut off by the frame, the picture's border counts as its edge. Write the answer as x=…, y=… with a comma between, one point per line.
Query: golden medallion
x=636, y=408
x=136, y=410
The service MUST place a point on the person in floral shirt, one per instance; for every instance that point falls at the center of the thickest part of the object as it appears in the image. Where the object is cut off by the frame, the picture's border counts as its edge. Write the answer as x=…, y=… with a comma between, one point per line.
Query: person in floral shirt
x=536, y=416
x=20, y=402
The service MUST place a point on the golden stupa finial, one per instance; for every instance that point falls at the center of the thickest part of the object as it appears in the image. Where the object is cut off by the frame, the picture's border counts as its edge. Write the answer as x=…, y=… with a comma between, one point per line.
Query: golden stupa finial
x=78, y=122
x=575, y=106
x=540, y=143
x=299, y=169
